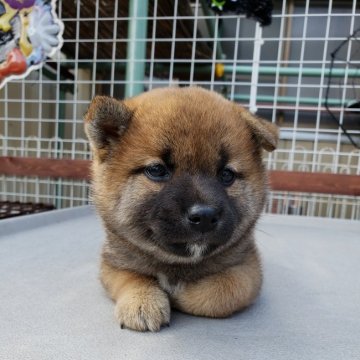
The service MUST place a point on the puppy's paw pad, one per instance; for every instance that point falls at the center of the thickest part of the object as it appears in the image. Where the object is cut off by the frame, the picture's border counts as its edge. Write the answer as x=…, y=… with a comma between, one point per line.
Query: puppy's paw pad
x=143, y=310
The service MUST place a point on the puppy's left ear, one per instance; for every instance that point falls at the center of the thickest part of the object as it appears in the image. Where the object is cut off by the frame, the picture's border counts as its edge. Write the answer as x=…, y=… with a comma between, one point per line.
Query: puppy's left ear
x=266, y=133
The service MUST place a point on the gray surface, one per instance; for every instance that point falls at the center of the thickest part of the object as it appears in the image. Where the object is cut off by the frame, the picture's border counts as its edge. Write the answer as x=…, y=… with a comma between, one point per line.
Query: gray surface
x=53, y=307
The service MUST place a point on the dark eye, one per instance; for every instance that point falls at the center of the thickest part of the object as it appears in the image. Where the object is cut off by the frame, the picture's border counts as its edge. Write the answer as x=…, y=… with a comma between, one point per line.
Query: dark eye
x=227, y=177
x=157, y=172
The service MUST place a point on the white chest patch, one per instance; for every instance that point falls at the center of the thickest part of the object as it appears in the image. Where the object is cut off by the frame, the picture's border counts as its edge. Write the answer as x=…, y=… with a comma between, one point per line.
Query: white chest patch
x=171, y=289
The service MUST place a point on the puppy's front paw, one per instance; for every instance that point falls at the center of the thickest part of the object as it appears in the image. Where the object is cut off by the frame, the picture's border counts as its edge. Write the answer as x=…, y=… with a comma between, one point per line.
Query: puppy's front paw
x=143, y=309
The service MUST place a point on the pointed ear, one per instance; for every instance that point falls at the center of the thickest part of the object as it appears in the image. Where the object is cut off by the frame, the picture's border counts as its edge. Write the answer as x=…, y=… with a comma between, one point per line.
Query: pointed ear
x=266, y=133
x=106, y=120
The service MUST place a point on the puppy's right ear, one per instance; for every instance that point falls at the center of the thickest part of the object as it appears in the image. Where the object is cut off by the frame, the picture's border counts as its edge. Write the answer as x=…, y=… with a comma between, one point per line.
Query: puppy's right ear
x=106, y=120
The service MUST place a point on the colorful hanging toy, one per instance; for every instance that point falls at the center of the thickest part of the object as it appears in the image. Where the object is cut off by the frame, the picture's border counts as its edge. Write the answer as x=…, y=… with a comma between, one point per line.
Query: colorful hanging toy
x=29, y=33
x=260, y=10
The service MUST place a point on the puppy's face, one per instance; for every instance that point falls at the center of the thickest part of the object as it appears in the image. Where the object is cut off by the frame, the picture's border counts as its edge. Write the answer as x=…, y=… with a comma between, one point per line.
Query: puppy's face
x=178, y=172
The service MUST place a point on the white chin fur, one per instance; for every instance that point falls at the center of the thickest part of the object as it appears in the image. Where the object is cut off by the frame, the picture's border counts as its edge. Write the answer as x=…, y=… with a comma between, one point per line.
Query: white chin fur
x=196, y=250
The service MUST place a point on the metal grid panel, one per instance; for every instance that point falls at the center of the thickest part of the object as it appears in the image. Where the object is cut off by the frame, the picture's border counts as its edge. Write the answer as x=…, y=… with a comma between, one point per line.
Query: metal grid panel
x=280, y=71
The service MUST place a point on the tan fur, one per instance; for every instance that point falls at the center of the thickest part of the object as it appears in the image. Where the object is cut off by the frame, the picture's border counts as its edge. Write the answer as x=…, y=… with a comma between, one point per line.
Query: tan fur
x=141, y=275
x=140, y=303
x=222, y=294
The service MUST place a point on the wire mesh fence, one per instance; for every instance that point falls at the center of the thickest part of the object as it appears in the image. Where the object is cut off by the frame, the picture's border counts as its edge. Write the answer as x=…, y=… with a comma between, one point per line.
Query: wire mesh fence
x=281, y=71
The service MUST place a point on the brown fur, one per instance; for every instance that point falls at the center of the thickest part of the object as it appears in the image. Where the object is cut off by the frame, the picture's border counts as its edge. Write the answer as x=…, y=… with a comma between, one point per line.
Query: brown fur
x=197, y=130
x=140, y=303
x=221, y=294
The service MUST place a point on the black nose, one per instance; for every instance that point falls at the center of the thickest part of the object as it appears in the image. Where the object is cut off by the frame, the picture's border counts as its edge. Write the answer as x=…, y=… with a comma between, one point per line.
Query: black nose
x=203, y=218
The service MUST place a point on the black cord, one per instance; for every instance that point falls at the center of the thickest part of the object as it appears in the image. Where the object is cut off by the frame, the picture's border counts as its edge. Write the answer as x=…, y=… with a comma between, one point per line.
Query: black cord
x=336, y=120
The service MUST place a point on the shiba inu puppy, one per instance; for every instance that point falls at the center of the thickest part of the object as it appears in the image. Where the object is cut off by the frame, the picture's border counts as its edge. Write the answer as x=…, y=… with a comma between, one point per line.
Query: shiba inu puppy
x=178, y=181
